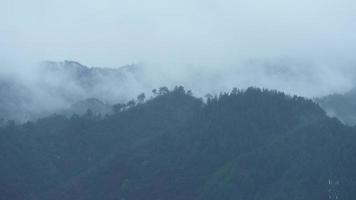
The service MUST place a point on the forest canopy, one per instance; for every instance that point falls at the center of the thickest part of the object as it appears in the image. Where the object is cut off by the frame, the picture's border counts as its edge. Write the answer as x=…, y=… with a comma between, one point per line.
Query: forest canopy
x=246, y=144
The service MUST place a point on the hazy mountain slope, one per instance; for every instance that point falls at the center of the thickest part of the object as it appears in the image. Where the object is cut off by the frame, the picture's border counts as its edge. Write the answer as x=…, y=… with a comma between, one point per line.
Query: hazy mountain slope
x=246, y=145
x=14, y=99
x=55, y=86
x=342, y=106
x=89, y=79
x=95, y=106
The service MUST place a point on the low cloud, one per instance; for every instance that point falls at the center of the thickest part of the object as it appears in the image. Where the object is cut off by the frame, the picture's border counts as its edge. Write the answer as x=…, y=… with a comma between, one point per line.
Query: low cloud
x=300, y=47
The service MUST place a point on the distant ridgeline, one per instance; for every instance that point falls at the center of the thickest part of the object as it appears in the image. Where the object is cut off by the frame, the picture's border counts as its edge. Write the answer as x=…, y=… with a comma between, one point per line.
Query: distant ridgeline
x=68, y=88
x=60, y=87
x=249, y=144
x=342, y=106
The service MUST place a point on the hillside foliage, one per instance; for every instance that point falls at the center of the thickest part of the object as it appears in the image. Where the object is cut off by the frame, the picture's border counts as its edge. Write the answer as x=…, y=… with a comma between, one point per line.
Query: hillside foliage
x=251, y=144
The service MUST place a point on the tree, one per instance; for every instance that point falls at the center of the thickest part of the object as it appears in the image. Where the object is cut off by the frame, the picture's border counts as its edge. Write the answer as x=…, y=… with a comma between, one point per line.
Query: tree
x=118, y=107
x=141, y=97
x=190, y=93
x=163, y=90
x=235, y=91
x=131, y=103
x=208, y=97
x=154, y=91
x=179, y=90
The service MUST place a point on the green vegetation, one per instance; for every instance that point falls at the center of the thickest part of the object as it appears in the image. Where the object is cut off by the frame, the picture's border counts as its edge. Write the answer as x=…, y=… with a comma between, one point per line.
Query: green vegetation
x=249, y=144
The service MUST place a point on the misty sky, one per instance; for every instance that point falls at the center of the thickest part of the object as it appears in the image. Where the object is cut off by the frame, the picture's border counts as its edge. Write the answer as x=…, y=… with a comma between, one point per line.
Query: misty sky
x=192, y=32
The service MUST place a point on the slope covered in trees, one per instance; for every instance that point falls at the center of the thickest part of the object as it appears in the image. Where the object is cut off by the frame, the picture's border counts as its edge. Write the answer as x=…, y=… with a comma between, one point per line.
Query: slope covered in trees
x=248, y=145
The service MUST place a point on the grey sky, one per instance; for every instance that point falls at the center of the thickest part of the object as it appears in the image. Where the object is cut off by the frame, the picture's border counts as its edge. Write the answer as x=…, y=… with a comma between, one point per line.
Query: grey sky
x=201, y=32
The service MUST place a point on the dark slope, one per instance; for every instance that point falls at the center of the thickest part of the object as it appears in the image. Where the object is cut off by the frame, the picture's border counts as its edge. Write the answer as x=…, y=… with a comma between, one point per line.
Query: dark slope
x=253, y=144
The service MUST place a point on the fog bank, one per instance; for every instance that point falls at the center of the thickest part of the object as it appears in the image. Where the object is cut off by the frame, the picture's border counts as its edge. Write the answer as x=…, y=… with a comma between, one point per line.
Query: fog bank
x=299, y=47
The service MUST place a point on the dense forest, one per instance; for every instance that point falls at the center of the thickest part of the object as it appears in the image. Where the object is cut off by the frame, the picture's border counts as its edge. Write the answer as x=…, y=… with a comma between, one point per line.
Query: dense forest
x=252, y=144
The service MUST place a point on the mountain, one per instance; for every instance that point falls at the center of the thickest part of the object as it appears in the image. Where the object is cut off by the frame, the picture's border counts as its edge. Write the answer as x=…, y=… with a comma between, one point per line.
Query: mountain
x=53, y=87
x=249, y=144
x=342, y=106
x=13, y=99
x=95, y=106
x=56, y=86
x=88, y=77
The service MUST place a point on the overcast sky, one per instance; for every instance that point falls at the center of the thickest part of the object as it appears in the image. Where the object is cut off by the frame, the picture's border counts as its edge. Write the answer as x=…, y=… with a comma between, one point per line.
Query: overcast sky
x=193, y=32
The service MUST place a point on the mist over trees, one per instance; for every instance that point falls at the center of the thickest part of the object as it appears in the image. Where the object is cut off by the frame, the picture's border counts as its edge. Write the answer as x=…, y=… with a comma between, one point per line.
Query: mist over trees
x=245, y=144
x=69, y=87
x=135, y=100
x=64, y=87
x=342, y=106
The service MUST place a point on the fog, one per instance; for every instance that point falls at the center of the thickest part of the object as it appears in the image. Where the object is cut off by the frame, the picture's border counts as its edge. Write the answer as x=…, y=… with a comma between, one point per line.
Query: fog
x=113, y=33
x=300, y=47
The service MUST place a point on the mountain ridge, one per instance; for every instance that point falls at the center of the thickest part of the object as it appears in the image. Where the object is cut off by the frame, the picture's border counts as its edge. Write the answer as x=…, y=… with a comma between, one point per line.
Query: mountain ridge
x=247, y=144
x=58, y=85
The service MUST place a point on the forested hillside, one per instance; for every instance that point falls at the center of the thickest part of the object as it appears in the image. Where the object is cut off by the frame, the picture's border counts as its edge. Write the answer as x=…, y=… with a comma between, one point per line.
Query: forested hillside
x=248, y=144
